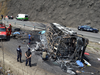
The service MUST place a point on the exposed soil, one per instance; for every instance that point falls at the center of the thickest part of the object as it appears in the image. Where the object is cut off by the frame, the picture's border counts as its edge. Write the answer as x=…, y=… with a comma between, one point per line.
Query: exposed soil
x=93, y=49
x=66, y=12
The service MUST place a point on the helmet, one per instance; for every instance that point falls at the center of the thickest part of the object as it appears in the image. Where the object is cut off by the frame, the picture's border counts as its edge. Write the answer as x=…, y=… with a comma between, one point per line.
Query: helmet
x=9, y=24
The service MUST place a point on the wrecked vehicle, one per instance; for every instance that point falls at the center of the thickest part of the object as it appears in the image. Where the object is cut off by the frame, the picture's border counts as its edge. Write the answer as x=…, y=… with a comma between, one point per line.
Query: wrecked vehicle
x=65, y=47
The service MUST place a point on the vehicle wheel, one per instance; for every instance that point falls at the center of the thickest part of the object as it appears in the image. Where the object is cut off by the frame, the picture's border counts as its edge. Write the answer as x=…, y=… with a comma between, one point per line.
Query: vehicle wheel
x=6, y=38
x=78, y=28
x=22, y=19
x=81, y=29
x=94, y=31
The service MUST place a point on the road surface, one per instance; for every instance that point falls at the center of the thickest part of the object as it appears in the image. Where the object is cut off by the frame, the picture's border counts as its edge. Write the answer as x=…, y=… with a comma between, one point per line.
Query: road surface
x=95, y=37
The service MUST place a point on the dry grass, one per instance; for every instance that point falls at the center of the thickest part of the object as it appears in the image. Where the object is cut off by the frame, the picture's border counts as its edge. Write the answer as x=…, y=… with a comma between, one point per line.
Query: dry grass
x=93, y=47
x=3, y=9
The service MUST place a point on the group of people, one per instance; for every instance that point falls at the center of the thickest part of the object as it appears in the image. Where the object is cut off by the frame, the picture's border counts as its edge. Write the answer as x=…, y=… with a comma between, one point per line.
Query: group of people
x=28, y=55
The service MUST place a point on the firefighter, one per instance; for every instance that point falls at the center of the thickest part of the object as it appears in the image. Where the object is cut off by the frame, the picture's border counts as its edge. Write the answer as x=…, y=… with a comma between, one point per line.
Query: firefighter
x=10, y=26
x=9, y=30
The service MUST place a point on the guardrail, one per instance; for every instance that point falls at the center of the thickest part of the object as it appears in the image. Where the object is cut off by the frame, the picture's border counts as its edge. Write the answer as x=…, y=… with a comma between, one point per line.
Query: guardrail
x=24, y=25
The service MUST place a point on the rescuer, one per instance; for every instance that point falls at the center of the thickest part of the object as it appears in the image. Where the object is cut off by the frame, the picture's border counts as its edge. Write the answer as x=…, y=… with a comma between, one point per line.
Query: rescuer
x=19, y=54
x=10, y=26
x=28, y=55
x=30, y=38
x=44, y=55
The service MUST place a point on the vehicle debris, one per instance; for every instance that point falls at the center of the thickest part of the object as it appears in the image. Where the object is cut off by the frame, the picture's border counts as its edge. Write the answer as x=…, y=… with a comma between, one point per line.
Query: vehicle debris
x=98, y=59
x=65, y=45
x=86, y=53
x=80, y=63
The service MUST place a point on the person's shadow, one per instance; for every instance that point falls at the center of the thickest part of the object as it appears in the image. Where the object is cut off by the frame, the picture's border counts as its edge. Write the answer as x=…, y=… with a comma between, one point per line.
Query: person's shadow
x=34, y=64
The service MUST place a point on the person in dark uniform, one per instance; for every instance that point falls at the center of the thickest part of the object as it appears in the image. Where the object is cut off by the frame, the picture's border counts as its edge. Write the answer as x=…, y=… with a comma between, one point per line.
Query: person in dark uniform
x=19, y=54
x=2, y=16
x=28, y=55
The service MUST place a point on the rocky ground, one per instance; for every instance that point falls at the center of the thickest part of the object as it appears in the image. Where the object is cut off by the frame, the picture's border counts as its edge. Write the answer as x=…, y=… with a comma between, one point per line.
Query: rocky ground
x=66, y=12
x=40, y=67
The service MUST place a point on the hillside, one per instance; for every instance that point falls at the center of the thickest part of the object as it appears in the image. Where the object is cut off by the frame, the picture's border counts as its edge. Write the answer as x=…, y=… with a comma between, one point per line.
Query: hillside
x=66, y=12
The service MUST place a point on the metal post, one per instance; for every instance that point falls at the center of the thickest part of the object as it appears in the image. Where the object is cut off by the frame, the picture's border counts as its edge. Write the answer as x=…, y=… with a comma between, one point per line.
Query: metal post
x=15, y=23
x=3, y=56
x=34, y=27
x=24, y=26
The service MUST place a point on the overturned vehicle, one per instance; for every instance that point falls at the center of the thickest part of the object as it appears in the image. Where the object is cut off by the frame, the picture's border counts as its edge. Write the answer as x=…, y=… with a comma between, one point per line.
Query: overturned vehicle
x=65, y=47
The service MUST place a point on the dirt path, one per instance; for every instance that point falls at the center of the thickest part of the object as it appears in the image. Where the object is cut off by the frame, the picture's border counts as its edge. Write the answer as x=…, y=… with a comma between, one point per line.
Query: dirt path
x=20, y=68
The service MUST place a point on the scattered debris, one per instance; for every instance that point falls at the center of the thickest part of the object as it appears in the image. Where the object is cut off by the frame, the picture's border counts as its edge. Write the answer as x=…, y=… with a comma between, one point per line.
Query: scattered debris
x=78, y=71
x=80, y=63
x=16, y=33
x=64, y=46
x=42, y=32
x=87, y=63
x=99, y=42
x=98, y=59
x=86, y=53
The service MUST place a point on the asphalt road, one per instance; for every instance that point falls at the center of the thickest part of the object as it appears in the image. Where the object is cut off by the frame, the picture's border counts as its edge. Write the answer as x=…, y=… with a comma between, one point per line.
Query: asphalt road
x=52, y=67
x=95, y=37
x=11, y=45
x=25, y=23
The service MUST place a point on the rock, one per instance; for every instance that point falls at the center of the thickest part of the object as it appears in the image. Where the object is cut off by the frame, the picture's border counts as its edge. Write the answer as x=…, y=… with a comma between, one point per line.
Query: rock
x=44, y=12
x=99, y=42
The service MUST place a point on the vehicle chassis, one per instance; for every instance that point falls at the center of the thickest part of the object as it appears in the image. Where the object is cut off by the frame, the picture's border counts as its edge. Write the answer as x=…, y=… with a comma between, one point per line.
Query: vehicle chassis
x=64, y=48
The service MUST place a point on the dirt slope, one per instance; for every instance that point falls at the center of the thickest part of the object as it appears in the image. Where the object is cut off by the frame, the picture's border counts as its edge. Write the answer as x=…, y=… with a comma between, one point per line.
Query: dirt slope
x=66, y=12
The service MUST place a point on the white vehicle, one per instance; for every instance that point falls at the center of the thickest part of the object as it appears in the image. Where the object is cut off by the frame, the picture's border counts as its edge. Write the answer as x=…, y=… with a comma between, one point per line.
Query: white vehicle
x=22, y=17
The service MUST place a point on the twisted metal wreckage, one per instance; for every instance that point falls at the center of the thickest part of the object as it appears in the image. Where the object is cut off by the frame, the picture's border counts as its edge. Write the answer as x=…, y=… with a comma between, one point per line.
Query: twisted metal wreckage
x=65, y=46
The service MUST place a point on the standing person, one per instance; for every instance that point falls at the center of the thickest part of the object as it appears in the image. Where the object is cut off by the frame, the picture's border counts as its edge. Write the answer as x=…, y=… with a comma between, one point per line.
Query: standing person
x=10, y=27
x=2, y=16
x=29, y=36
x=19, y=54
x=28, y=55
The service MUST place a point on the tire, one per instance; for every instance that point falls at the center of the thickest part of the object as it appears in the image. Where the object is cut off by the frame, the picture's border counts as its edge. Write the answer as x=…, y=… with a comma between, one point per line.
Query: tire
x=78, y=28
x=81, y=29
x=94, y=31
x=22, y=19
